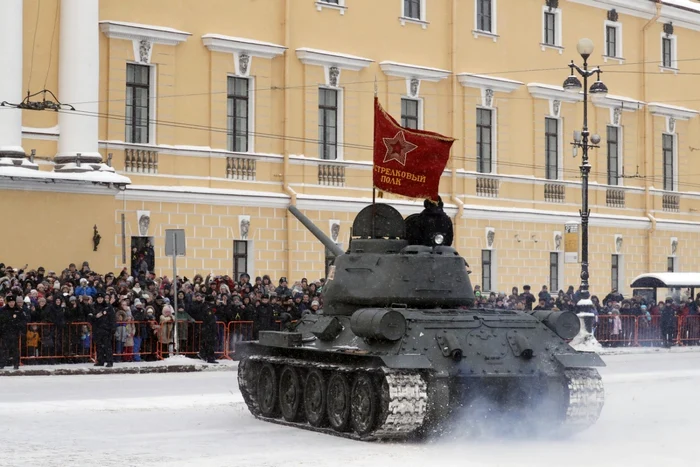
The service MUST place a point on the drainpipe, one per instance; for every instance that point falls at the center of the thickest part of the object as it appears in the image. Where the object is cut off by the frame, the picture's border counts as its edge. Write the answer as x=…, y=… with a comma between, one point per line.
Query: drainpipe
x=455, y=125
x=292, y=194
x=648, y=165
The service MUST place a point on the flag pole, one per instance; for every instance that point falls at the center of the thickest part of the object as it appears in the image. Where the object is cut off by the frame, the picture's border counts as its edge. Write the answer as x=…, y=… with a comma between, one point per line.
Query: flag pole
x=374, y=188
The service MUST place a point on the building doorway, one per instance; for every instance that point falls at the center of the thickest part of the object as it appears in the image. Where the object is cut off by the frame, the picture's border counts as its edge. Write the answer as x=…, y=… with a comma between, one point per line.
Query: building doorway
x=143, y=257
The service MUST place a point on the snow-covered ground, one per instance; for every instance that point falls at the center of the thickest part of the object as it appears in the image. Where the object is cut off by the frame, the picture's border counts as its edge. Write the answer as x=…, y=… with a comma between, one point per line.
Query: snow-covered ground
x=650, y=418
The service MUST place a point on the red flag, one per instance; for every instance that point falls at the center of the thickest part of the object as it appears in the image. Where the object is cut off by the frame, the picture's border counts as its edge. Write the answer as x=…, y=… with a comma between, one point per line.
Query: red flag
x=407, y=162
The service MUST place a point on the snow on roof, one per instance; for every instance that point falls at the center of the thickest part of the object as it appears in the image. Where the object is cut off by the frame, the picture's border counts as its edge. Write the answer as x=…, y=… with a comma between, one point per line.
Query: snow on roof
x=685, y=4
x=48, y=176
x=667, y=280
x=146, y=26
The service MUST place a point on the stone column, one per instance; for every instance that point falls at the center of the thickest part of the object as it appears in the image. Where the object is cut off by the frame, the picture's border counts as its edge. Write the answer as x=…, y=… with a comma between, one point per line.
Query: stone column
x=78, y=85
x=11, y=152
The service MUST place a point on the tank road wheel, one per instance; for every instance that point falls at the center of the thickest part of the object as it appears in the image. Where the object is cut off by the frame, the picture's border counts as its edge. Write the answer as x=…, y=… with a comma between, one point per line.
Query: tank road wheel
x=267, y=391
x=364, y=405
x=290, y=394
x=315, y=398
x=338, y=401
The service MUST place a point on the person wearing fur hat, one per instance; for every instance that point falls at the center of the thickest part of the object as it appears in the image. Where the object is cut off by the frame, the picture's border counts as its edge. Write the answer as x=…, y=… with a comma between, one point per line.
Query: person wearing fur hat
x=12, y=322
x=104, y=324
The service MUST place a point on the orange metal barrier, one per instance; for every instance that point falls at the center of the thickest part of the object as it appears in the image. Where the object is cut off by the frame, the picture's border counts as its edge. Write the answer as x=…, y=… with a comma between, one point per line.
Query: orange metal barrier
x=189, y=339
x=689, y=330
x=642, y=331
x=135, y=341
x=49, y=343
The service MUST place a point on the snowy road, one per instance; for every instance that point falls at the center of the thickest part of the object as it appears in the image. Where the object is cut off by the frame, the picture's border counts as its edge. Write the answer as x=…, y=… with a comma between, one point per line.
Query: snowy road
x=650, y=418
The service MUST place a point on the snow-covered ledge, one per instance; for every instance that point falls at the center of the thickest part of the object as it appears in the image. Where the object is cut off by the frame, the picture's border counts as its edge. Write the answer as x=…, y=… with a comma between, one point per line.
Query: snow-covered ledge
x=229, y=44
x=551, y=92
x=143, y=36
x=671, y=111
x=243, y=50
x=23, y=178
x=326, y=58
x=413, y=74
x=332, y=62
x=488, y=85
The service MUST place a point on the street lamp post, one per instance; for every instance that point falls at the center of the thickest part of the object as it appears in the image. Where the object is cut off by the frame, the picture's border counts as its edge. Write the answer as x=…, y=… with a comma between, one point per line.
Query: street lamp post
x=597, y=90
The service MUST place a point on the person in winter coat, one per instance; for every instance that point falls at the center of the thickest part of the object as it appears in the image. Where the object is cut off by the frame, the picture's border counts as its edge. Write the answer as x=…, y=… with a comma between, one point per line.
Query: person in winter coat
x=103, y=320
x=166, y=330
x=184, y=321
x=205, y=311
x=209, y=331
x=12, y=323
x=264, y=319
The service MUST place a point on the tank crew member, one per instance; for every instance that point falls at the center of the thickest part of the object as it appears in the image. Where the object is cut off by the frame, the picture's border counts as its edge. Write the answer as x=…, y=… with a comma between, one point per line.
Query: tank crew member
x=104, y=323
x=430, y=221
x=12, y=322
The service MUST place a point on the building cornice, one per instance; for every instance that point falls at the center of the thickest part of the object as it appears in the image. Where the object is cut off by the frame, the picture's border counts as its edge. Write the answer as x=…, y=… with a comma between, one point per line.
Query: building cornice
x=664, y=110
x=488, y=82
x=134, y=31
x=550, y=92
x=618, y=102
x=325, y=58
x=228, y=44
x=403, y=70
x=687, y=17
x=212, y=196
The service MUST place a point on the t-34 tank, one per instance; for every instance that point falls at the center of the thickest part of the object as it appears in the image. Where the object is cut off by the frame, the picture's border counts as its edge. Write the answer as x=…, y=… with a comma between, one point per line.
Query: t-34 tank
x=397, y=351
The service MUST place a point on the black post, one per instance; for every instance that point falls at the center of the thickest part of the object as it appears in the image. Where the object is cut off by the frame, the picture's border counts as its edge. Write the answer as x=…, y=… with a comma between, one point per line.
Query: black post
x=585, y=212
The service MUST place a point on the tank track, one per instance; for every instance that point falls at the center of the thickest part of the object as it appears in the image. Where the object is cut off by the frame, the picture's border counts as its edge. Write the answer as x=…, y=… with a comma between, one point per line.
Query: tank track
x=586, y=399
x=405, y=393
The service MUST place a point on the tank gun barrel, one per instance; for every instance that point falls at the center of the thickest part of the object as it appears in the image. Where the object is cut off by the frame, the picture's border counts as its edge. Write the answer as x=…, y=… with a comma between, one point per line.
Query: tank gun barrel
x=323, y=238
x=564, y=323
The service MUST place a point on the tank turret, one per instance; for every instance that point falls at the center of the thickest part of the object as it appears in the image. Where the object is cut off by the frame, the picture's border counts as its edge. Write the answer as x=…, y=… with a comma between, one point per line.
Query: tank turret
x=381, y=268
x=398, y=349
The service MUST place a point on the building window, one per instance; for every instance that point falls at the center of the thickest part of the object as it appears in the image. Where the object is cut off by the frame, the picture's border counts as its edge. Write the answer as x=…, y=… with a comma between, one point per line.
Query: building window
x=486, y=271
x=552, y=148
x=553, y=272
x=671, y=264
x=615, y=272
x=611, y=41
x=613, y=155
x=668, y=52
x=240, y=258
x=328, y=123
x=669, y=166
x=138, y=85
x=412, y=9
x=550, y=29
x=410, y=111
x=484, y=15
x=238, y=113
x=484, y=140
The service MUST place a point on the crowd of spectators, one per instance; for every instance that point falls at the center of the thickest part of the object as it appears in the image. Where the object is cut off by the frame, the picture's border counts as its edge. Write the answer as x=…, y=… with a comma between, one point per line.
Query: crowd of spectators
x=52, y=310
x=610, y=313
x=49, y=304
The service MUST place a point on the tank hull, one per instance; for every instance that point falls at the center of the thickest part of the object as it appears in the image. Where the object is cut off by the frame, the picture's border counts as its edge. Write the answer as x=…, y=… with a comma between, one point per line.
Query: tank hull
x=366, y=389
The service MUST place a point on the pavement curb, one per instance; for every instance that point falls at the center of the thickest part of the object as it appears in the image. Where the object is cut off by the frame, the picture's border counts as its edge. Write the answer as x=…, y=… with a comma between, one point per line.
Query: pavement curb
x=119, y=370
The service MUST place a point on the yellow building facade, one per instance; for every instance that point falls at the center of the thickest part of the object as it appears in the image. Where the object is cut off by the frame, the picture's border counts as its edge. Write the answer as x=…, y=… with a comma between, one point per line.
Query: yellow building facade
x=213, y=116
